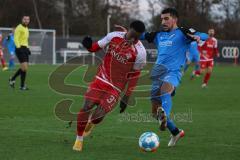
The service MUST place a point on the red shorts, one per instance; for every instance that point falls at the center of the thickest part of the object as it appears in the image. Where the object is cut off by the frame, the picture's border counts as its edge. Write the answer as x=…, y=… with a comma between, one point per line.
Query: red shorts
x=102, y=94
x=206, y=64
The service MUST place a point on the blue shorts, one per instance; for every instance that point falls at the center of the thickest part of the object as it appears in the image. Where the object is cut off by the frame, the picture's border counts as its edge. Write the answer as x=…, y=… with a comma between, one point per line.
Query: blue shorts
x=161, y=74
x=194, y=57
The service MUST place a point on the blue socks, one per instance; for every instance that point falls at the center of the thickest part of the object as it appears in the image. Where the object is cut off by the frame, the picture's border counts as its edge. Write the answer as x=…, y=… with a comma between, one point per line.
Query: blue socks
x=167, y=106
x=11, y=64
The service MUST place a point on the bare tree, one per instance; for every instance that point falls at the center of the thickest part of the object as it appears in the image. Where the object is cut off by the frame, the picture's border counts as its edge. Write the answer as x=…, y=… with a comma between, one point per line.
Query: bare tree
x=36, y=14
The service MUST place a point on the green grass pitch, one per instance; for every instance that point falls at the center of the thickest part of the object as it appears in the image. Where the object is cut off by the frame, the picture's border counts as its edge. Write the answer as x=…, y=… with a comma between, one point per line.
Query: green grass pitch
x=29, y=130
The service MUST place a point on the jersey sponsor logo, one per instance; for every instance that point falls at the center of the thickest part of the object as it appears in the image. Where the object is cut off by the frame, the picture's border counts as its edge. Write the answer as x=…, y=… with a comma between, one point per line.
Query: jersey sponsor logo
x=166, y=43
x=230, y=52
x=165, y=37
x=120, y=58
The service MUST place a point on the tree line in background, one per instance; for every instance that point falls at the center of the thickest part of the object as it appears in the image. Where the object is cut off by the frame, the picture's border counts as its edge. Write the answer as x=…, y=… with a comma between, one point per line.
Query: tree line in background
x=81, y=17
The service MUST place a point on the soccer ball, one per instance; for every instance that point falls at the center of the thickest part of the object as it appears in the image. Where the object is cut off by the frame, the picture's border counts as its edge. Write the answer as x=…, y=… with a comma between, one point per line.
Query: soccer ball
x=149, y=142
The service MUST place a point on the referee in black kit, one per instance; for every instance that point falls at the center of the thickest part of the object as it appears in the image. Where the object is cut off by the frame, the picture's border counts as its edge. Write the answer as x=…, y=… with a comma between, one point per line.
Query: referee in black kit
x=21, y=36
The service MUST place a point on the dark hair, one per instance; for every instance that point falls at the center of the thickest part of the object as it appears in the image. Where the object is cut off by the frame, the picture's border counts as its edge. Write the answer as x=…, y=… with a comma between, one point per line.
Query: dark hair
x=138, y=26
x=25, y=14
x=172, y=11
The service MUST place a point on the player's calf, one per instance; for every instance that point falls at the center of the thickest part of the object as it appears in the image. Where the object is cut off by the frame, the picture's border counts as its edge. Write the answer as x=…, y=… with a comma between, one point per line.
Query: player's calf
x=162, y=119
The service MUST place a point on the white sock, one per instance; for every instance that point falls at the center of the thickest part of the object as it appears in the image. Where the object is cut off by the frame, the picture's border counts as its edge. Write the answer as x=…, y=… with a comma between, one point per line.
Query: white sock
x=80, y=138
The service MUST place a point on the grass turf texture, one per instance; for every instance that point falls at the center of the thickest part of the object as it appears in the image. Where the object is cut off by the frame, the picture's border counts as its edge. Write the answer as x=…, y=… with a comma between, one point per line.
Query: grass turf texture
x=30, y=130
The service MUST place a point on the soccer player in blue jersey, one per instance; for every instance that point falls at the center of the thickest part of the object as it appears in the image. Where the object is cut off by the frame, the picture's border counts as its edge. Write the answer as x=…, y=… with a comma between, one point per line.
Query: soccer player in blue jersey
x=193, y=56
x=10, y=45
x=172, y=43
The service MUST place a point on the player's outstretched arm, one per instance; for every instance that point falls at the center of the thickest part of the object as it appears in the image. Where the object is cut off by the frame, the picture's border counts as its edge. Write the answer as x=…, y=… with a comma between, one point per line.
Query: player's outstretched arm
x=193, y=35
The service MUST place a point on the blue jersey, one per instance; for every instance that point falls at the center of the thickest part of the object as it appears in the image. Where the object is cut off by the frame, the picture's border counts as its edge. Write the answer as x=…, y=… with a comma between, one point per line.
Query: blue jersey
x=9, y=43
x=172, y=47
x=193, y=52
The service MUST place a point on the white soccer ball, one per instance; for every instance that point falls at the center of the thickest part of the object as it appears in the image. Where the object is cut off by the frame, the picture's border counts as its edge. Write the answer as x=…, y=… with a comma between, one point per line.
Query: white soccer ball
x=149, y=142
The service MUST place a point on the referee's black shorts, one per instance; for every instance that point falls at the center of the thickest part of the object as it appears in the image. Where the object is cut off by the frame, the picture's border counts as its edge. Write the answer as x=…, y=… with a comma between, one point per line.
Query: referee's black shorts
x=22, y=54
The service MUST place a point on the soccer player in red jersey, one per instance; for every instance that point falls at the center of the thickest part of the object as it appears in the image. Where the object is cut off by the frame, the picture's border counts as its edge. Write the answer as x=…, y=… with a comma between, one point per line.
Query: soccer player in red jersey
x=208, y=51
x=125, y=57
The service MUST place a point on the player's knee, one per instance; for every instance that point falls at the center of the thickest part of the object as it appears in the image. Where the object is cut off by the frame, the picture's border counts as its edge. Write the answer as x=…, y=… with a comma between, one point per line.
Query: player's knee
x=155, y=96
x=97, y=121
x=98, y=115
x=167, y=88
x=155, y=106
x=155, y=92
x=209, y=70
x=87, y=107
x=167, y=103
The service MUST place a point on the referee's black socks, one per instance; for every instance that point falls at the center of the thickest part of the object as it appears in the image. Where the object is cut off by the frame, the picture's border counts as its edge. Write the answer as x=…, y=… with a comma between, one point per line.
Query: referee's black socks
x=16, y=74
x=23, y=77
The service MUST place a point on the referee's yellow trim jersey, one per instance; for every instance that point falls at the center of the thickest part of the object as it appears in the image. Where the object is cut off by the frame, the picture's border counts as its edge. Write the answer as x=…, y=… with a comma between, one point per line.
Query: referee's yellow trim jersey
x=21, y=36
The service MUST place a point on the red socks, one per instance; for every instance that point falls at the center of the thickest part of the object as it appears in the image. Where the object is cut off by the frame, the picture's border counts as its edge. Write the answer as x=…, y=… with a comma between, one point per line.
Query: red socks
x=82, y=121
x=197, y=72
x=206, y=78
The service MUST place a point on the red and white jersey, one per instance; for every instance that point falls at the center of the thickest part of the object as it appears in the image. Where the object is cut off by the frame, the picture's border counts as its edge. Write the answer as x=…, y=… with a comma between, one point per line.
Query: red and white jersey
x=209, y=49
x=120, y=60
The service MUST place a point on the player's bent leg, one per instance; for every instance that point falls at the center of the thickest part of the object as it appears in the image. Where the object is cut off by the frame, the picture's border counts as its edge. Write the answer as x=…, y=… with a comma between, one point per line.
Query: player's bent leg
x=24, y=68
x=157, y=110
x=97, y=116
x=155, y=105
x=82, y=120
x=162, y=95
x=207, y=77
x=196, y=72
x=11, y=62
x=166, y=107
x=166, y=98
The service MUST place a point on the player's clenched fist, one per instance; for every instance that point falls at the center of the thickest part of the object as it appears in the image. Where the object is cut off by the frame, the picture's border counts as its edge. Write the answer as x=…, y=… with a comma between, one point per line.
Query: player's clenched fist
x=87, y=42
